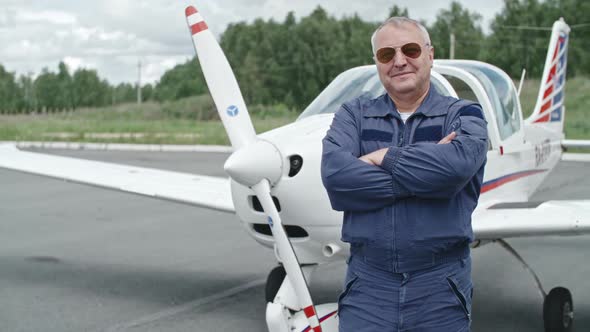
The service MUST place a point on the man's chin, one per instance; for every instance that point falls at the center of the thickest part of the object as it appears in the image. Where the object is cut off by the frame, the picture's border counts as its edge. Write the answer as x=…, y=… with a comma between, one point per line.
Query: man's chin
x=403, y=87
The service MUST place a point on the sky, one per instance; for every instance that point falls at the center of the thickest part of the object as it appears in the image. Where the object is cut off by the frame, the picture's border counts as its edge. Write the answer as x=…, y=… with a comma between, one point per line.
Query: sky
x=112, y=36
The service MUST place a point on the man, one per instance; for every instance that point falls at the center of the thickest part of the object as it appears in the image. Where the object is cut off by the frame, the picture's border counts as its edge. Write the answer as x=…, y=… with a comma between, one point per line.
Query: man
x=406, y=168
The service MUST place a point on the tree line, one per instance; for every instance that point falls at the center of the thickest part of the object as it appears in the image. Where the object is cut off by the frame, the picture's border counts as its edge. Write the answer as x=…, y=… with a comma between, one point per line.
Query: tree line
x=289, y=62
x=62, y=91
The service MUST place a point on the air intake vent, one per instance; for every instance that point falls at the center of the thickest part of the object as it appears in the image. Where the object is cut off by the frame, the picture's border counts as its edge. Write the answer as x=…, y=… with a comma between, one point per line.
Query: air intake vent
x=258, y=207
x=296, y=162
x=292, y=231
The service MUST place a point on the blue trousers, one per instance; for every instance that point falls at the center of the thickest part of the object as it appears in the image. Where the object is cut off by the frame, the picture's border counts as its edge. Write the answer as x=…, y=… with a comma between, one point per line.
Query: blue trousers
x=435, y=299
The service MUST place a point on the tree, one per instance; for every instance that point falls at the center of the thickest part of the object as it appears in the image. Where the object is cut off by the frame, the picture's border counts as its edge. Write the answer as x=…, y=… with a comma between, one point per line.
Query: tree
x=47, y=90
x=575, y=13
x=124, y=93
x=515, y=43
x=28, y=102
x=10, y=94
x=147, y=92
x=88, y=89
x=181, y=81
x=64, y=99
x=398, y=11
x=464, y=25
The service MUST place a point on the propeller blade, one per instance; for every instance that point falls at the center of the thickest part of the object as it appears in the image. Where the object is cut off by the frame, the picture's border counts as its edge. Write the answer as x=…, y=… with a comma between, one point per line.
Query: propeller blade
x=287, y=254
x=221, y=82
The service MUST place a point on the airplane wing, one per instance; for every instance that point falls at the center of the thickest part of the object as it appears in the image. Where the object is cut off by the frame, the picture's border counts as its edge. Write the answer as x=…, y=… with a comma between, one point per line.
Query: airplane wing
x=205, y=191
x=575, y=143
x=577, y=157
x=531, y=219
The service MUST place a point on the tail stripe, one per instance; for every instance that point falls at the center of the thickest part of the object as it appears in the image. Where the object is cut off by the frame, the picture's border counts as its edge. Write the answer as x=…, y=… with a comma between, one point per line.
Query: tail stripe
x=552, y=101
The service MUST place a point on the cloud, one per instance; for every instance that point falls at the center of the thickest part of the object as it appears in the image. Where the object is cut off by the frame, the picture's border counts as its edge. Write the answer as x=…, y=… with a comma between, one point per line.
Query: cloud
x=112, y=35
x=46, y=16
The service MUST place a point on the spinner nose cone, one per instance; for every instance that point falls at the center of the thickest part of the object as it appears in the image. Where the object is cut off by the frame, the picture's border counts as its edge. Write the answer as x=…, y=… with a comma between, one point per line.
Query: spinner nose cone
x=254, y=162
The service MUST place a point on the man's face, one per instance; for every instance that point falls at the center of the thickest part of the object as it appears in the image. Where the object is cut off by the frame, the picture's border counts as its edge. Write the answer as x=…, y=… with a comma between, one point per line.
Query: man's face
x=404, y=75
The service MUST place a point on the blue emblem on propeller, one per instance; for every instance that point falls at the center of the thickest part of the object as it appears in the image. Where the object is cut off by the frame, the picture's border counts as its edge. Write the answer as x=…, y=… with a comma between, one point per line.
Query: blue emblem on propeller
x=270, y=221
x=232, y=110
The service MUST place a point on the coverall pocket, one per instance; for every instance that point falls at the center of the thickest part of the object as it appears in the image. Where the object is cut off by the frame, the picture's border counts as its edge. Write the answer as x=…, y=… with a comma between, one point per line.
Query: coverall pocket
x=462, y=298
x=347, y=288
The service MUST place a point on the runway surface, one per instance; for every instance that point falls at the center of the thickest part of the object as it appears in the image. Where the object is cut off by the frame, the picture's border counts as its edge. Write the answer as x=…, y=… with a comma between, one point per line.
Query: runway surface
x=80, y=258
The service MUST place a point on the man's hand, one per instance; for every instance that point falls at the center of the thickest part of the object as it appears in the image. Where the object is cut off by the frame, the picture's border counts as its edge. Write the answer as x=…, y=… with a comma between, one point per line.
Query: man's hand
x=447, y=139
x=375, y=157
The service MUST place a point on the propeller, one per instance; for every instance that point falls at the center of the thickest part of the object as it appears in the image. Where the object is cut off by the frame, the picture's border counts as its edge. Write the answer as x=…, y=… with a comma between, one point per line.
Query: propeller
x=255, y=163
x=221, y=82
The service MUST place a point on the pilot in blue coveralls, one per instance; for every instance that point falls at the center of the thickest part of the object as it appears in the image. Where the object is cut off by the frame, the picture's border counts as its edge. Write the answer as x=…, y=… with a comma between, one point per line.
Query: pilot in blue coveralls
x=406, y=168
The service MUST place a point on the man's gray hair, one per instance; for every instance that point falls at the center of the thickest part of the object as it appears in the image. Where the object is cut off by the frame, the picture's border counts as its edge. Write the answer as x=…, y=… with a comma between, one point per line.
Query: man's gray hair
x=399, y=21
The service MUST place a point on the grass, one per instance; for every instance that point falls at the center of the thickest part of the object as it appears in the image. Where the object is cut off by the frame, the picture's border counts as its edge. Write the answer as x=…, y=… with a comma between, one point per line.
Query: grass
x=577, y=104
x=188, y=121
x=194, y=120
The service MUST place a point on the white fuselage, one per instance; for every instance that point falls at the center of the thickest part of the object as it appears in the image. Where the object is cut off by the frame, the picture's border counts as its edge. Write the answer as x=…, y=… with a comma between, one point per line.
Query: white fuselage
x=515, y=167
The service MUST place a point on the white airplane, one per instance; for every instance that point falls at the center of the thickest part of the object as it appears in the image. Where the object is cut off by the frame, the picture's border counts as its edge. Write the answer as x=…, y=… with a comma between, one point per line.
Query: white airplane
x=275, y=187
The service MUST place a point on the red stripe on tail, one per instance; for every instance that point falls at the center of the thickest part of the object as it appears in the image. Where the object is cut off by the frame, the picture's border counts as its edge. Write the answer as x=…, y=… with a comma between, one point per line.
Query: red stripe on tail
x=548, y=92
x=551, y=74
x=544, y=118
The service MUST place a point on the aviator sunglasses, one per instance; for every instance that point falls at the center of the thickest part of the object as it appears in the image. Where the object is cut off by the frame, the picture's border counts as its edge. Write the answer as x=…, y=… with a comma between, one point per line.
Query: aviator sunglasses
x=411, y=50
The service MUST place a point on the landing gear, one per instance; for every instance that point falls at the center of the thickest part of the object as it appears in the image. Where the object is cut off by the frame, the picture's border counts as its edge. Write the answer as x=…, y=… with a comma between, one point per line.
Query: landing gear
x=558, y=307
x=558, y=310
x=283, y=308
x=273, y=283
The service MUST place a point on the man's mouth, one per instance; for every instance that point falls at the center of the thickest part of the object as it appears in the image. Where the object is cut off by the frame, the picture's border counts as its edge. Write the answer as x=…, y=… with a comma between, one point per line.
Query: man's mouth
x=401, y=74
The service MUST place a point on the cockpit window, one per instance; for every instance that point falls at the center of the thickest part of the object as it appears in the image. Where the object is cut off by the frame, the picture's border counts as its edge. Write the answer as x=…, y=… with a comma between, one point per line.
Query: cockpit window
x=353, y=83
x=502, y=96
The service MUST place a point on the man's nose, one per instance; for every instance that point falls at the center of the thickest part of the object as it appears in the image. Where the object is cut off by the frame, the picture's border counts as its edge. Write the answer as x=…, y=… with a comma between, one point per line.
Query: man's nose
x=399, y=59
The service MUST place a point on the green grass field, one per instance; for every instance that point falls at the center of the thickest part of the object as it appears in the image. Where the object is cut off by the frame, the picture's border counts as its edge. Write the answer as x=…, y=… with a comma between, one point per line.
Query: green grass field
x=188, y=121
x=577, y=104
x=194, y=120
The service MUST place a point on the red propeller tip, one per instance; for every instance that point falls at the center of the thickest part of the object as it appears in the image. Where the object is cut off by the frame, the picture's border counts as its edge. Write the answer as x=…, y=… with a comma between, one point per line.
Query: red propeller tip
x=190, y=10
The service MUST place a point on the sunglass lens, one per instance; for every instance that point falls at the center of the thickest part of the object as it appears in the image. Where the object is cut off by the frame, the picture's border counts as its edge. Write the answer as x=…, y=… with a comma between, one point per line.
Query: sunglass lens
x=412, y=50
x=385, y=54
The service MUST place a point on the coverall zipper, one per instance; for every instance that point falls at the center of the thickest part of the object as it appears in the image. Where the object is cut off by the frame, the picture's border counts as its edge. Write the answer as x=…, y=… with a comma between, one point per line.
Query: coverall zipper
x=401, y=143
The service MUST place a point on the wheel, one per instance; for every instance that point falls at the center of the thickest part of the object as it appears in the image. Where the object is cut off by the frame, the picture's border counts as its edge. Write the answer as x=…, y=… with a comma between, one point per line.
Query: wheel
x=273, y=282
x=558, y=310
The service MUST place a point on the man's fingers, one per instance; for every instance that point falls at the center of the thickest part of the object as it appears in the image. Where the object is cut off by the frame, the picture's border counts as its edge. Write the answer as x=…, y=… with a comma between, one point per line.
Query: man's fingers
x=448, y=138
x=367, y=160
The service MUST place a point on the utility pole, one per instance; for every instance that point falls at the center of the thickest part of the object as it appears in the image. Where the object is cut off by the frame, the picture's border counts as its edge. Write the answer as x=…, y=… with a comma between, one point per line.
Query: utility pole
x=452, y=47
x=139, y=82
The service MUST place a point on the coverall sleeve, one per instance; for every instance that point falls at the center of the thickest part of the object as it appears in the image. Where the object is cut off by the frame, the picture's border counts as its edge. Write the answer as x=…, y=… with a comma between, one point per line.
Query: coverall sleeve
x=430, y=170
x=352, y=184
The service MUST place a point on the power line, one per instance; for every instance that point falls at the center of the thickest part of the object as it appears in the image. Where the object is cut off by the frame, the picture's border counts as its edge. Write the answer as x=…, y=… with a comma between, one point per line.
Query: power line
x=581, y=25
x=524, y=27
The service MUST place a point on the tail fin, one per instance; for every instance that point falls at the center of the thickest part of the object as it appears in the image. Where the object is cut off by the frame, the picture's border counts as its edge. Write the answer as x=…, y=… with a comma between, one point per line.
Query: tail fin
x=550, y=109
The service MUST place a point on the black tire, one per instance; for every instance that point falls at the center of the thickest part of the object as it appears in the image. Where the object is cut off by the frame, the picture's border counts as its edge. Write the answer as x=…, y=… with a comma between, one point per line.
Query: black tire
x=273, y=282
x=558, y=310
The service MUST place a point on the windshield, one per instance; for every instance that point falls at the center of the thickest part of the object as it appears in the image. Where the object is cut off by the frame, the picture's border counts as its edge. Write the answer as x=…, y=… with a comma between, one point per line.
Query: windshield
x=353, y=83
x=501, y=94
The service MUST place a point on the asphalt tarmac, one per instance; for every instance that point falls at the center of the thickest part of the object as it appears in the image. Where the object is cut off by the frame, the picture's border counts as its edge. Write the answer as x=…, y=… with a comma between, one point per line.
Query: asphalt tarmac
x=80, y=258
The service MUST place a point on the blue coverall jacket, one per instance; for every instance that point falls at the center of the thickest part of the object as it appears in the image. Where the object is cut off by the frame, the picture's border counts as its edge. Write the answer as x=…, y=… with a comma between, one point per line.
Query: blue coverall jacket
x=414, y=211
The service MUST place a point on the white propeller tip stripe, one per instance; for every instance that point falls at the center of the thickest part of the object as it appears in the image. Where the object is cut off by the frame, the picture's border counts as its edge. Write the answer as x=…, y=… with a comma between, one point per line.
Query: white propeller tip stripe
x=194, y=19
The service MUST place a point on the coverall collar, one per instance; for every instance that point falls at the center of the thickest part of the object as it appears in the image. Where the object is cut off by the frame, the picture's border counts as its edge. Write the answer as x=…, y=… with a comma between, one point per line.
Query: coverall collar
x=384, y=106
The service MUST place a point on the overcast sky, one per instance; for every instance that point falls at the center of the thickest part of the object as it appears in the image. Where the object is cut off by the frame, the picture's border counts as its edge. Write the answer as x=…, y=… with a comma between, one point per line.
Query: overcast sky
x=111, y=36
